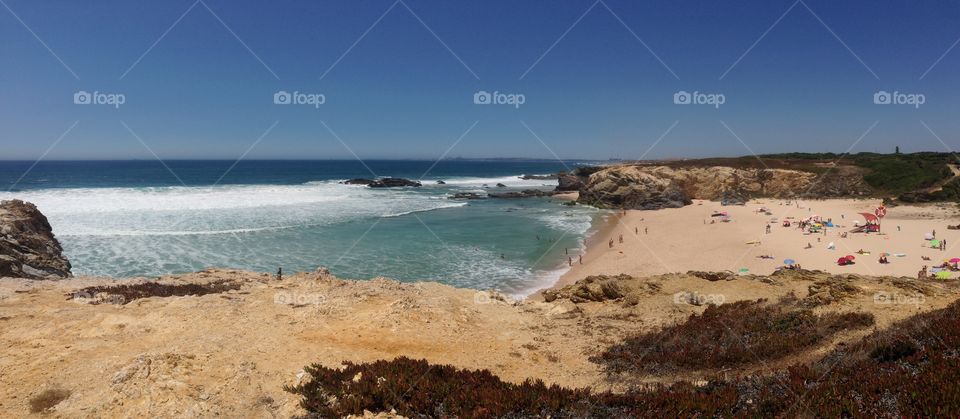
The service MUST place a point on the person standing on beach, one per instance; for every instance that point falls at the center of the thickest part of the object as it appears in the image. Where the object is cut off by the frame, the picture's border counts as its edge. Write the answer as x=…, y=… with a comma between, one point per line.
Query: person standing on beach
x=279, y=273
x=636, y=230
x=646, y=230
x=581, y=259
x=768, y=228
x=569, y=261
x=621, y=239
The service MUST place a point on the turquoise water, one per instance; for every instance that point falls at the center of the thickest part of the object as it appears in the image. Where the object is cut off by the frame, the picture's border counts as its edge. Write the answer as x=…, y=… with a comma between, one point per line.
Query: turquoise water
x=125, y=219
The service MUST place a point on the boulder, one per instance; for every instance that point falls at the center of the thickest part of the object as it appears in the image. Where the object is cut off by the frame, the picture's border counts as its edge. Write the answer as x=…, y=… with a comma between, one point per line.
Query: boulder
x=440, y=182
x=500, y=185
x=28, y=248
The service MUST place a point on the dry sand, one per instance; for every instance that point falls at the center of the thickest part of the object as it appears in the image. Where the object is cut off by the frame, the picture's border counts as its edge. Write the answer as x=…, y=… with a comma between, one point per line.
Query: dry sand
x=682, y=239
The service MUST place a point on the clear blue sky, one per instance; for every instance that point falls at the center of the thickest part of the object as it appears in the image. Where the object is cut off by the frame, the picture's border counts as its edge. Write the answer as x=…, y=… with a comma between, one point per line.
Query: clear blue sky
x=400, y=93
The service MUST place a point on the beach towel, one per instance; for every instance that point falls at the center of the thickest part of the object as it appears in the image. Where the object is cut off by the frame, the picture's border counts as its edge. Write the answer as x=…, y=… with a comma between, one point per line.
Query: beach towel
x=831, y=246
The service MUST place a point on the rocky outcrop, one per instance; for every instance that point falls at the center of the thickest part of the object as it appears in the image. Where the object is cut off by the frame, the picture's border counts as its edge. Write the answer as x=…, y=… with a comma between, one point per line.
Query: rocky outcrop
x=468, y=195
x=630, y=188
x=569, y=183
x=575, y=180
x=28, y=248
x=526, y=193
x=655, y=187
x=387, y=182
x=394, y=182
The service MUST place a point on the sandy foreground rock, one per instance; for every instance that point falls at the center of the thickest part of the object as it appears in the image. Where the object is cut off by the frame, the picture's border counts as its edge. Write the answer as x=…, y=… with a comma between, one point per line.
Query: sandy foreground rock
x=231, y=353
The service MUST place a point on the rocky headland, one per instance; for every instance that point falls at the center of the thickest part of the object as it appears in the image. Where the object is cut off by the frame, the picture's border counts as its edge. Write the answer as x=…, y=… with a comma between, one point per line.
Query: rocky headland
x=651, y=187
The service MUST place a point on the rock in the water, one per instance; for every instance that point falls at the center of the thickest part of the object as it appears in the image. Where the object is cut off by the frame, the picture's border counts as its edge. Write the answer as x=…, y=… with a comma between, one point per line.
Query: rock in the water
x=358, y=182
x=526, y=193
x=394, y=182
x=28, y=248
x=387, y=182
x=500, y=185
x=467, y=195
x=440, y=182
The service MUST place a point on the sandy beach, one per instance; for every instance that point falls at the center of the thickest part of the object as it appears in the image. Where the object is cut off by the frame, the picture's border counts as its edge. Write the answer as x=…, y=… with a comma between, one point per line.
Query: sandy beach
x=689, y=238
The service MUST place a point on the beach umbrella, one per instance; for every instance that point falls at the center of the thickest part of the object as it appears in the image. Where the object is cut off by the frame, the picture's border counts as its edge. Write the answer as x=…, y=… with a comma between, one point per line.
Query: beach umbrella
x=789, y=262
x=954, y=260
x=849, y=257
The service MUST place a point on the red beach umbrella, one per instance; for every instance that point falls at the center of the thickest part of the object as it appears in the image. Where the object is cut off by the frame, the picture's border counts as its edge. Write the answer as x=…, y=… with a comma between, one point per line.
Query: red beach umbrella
x=849, y=257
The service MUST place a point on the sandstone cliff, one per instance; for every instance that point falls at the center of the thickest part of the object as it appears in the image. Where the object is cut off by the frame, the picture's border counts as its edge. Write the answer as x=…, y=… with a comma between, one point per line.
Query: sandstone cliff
x=28, y=248
x=655, y=187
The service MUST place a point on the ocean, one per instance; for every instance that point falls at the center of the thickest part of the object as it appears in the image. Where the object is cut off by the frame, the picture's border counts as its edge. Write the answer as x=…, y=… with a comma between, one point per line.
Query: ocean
x=150, y=218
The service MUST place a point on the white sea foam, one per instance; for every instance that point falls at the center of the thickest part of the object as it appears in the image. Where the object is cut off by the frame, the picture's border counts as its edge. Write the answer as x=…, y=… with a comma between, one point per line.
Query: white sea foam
x=211, y=210
x=475, y=182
